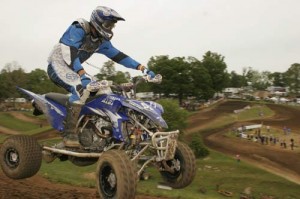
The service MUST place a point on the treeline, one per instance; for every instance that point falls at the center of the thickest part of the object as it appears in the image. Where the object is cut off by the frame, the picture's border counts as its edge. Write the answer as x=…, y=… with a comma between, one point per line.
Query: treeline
x=182, y=76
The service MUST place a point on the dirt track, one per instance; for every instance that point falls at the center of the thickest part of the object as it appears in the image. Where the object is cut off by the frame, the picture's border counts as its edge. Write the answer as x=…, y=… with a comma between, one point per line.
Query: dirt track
x=283, y=162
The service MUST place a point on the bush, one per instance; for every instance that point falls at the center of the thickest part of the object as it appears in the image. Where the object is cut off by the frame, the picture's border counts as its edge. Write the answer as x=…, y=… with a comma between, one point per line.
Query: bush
x=175, y=116
x=198, y=147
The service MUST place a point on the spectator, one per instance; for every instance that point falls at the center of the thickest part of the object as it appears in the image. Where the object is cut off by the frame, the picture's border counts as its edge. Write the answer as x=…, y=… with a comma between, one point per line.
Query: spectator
x=284, y=130
x=284, y=144
x=292, y=144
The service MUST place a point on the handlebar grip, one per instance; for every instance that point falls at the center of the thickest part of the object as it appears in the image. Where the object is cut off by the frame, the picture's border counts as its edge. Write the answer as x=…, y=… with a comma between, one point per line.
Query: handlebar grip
x=157, y=79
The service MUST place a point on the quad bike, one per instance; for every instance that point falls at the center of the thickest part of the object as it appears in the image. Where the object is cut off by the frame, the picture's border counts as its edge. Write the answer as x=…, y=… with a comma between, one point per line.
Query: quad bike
x=119, y=133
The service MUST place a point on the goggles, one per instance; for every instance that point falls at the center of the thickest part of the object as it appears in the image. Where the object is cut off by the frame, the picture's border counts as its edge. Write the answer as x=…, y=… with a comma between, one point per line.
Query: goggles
x=107, y=24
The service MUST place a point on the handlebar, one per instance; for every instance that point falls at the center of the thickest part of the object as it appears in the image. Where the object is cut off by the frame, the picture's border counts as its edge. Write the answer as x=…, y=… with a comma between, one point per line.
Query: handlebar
x=105, y=86
x=131, y=86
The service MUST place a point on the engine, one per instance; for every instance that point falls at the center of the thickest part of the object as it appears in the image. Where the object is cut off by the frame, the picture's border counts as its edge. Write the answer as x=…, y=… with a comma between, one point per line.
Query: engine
x=94, y=132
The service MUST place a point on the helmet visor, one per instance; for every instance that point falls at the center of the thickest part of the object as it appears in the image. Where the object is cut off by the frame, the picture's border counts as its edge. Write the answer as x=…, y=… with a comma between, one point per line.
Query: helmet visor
x=108, y=24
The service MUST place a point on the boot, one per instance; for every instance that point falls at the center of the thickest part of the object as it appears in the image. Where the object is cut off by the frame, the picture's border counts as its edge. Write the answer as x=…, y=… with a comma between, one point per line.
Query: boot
x=70, y=136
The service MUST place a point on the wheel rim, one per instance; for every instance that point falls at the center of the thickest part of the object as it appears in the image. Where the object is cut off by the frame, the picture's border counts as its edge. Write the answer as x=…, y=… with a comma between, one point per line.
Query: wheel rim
x=178, y=168
x=108, y=180
x=12, y=158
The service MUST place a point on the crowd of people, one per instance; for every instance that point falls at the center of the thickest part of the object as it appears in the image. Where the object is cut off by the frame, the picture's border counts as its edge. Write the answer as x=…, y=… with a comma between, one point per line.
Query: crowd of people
x=266, y=137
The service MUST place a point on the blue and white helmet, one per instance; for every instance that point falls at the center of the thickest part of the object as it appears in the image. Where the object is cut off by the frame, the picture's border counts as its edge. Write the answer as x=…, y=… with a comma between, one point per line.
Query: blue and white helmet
x=103, y=19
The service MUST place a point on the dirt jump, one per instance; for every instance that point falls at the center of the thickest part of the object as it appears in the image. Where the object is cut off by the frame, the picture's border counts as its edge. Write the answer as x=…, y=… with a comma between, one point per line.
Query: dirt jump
x=280, y=161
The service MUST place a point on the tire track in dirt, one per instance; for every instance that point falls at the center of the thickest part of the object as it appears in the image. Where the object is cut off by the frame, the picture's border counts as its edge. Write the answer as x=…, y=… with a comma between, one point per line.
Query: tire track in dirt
x=21, y=116
x=7, y=131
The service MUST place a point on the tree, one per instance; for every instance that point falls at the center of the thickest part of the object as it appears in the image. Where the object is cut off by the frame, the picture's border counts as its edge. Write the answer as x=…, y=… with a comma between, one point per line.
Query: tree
x=259, y=81
x=216, y=67
x=108, y=68
x=293, y=78
x=278, y=79
x=39, y=82
x=12, y=75
x=176, y=74
x=236, y=80
x=201, y=80
x=108, y=72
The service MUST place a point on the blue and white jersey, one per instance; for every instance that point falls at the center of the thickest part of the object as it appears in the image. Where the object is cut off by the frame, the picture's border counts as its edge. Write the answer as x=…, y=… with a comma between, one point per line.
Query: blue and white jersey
x=76, y=46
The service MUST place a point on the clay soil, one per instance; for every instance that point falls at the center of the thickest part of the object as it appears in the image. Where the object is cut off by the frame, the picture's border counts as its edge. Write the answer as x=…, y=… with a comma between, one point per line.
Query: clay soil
x=283, y=162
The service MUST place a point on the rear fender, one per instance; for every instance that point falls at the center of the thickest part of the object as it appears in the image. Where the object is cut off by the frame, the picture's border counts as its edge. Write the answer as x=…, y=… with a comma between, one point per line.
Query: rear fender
x=54, y=112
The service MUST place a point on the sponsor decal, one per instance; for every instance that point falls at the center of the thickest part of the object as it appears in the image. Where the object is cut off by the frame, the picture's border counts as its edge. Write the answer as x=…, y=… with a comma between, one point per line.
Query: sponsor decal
x=109, y=100
x=142, y=106
x=136, y=105
x=71, y=76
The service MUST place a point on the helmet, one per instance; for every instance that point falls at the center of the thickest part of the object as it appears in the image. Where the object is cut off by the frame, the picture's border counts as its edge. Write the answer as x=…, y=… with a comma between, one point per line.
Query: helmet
x=103, y=19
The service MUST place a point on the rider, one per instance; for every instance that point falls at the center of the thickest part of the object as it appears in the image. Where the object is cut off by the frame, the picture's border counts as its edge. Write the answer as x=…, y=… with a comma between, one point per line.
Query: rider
x=80, y=41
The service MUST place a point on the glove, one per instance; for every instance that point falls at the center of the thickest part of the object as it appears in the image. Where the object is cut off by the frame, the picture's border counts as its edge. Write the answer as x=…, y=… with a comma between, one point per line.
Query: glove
x=85, y=80
x=94, y=86
x=146, y=71
x=150, y=73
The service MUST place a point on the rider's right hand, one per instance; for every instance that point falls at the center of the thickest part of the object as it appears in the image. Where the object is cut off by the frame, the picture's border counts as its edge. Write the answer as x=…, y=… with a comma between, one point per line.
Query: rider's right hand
x=150, y=73
x=85, y=80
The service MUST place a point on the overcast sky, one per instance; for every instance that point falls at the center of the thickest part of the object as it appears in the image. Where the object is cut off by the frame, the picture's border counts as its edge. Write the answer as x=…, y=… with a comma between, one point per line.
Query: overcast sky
x=262, y=34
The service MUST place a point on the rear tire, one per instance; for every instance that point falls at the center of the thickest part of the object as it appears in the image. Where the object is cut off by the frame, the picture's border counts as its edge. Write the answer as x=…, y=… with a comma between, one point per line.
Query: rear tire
x=187, y=171
x=115, y=175
x=20, y=157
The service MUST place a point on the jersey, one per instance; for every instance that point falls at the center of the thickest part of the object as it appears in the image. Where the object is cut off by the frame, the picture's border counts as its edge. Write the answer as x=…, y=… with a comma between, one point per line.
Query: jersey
x=79, y=45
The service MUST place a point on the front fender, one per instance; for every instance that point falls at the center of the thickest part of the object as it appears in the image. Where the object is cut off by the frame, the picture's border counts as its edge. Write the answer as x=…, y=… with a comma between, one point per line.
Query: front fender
x=151, y=109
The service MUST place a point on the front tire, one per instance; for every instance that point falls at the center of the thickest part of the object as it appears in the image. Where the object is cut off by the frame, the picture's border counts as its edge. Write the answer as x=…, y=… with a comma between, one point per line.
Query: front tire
x=115, y=175
x=184, y=163
x=20, y=157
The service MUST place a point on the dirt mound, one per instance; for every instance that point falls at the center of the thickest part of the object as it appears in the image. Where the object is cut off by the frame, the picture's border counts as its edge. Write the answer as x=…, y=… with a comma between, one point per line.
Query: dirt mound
x=199, y=119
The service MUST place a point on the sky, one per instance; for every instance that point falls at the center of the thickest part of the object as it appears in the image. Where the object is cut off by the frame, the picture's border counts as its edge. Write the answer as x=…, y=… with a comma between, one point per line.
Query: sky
x=262, y=34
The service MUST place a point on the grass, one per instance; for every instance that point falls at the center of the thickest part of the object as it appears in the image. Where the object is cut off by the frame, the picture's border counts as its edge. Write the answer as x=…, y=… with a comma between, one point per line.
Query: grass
x=67, y=173
x=8, y=121
x=248, y=114
x=255, y=112
x=221, y=171
x=37, y=130
x=216, y=170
